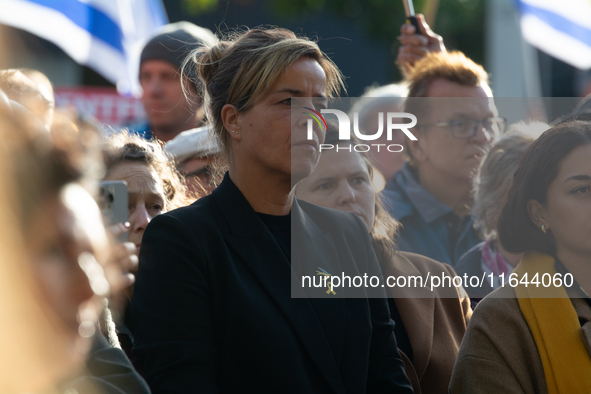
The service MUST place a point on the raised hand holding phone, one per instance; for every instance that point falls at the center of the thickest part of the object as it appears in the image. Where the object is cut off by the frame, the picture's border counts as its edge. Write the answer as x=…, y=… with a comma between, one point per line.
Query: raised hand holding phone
x=416, y=39
x=409, y=11
x=114, y=201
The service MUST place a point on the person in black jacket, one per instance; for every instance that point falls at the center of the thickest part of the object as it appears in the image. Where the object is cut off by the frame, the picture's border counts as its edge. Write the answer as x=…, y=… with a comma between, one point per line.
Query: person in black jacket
x=218, y=305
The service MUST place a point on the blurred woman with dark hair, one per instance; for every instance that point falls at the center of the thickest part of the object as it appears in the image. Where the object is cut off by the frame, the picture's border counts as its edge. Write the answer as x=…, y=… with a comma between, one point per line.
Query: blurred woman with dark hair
x=490, y=187
x=533, y=335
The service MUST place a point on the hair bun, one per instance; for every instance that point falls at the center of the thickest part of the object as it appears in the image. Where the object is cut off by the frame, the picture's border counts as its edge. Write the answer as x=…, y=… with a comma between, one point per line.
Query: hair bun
x=208, y=61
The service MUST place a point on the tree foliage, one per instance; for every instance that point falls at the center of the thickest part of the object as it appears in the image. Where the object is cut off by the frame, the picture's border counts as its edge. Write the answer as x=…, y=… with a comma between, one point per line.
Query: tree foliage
x=460, y=22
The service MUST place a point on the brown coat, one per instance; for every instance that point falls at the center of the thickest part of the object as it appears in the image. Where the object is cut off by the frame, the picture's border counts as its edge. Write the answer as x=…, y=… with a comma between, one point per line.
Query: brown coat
x=434, y=321
x=499, y=354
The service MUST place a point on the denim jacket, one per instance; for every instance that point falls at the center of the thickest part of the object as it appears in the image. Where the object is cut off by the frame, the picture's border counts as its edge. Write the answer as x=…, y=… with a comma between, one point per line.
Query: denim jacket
x=425, y=221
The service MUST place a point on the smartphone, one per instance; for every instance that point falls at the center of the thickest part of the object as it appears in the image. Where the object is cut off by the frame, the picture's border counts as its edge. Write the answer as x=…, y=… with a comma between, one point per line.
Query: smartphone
x=409, y=11
x=113, y=201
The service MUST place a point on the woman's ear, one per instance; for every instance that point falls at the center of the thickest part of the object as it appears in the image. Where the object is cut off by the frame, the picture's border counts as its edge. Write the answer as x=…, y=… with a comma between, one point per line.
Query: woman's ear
x=230, y=117
x=537, y=214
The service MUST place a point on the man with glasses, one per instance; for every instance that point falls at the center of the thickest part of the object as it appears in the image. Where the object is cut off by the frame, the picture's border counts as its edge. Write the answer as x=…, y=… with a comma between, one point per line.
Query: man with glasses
x=456, y=123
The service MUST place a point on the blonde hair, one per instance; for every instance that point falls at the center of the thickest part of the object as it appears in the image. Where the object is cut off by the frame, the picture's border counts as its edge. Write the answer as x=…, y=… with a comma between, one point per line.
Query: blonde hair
x=243, y=66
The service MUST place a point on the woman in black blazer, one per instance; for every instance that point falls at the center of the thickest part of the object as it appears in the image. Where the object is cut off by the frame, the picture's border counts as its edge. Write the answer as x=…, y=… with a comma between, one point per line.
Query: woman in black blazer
x=217, y=305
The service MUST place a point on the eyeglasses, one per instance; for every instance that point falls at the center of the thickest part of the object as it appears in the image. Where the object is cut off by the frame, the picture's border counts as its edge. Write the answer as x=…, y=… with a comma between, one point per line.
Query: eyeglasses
x=464, y=129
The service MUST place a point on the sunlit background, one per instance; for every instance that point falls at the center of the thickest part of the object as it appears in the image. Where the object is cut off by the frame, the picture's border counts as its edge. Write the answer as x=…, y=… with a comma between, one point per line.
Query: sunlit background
x=359, y=35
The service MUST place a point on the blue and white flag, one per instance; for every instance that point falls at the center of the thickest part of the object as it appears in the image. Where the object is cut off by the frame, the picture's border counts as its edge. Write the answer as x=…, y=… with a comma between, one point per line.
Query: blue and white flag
x=106, y=35
x=561, y=28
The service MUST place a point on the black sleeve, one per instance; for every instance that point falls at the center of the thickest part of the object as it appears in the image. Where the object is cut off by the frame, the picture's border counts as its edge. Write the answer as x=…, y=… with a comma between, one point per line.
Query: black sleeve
x=109, y=371
x=171, y=313
x=386, y=372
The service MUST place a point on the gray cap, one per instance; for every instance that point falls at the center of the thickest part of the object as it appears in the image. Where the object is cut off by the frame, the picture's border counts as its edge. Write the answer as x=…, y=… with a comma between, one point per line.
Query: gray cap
x=175, y=41
x=192, y=144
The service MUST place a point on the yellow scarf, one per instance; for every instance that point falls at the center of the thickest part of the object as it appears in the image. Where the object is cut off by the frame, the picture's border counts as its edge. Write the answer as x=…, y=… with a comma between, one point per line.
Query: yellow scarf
x=555, y=326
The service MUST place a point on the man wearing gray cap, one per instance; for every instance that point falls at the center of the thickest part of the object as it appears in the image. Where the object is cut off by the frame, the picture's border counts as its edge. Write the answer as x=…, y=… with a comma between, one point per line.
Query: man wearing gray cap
x=169, y=110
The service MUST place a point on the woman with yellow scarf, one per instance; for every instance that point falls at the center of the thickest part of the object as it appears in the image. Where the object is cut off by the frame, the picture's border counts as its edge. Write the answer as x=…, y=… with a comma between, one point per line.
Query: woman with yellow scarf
x=533, y=335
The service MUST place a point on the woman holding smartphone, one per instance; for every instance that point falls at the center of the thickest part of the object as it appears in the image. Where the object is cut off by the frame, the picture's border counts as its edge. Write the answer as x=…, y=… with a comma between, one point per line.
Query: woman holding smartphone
x=212, y=307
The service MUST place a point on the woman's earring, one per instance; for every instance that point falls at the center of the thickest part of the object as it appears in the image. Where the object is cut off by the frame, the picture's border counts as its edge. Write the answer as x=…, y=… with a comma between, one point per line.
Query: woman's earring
x=543, y=228
x=235, y=132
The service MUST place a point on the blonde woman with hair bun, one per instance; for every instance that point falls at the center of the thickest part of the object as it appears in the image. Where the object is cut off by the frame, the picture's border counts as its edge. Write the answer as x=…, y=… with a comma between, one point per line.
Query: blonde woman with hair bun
x=212, y=307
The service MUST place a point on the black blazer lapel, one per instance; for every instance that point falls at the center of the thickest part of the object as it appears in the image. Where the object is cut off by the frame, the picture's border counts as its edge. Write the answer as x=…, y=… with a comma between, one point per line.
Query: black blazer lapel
x=256, y=247
x=313, y=251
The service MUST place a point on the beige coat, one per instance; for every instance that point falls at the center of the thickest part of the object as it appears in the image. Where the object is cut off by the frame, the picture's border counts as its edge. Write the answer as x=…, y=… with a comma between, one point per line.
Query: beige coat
x=499, y=354
x=435, y=325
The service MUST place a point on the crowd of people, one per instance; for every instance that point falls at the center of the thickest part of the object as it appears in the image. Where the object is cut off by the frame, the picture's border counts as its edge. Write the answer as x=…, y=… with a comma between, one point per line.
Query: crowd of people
x=232, y=201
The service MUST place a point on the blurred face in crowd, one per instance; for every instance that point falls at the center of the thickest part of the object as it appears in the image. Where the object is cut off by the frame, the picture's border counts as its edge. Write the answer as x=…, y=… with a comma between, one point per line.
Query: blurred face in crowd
x=266, y=138
x=32, y=95
x=46, y=91
x=386, y=162
x=146, y=196
x=567, y=212
x=41, y=107
x=437, y=151
x=165, y=103
x=341, y=181
x=197, y=173
x=66, y=238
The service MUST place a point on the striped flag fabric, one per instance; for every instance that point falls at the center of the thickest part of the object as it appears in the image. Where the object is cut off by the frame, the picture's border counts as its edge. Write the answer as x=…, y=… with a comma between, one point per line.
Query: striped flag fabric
x=106, y=35
x=561, y=28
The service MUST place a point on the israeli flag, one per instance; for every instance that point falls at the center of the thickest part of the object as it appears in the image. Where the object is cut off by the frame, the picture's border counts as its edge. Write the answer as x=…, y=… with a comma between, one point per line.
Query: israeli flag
x=561, y=28
x=106, y=35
